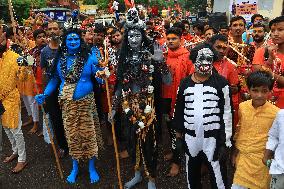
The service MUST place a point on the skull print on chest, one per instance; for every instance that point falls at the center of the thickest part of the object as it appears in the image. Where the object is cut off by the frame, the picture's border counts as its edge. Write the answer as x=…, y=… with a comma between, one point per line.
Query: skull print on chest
x=204, y=61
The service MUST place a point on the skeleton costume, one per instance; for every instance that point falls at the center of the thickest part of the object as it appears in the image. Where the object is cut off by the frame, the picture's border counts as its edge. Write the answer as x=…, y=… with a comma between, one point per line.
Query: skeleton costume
x=203, y=114
x=139, y=77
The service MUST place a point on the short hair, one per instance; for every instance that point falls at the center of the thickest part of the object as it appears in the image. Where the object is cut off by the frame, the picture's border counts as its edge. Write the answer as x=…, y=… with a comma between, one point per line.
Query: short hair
x=276, y=20
x=174, y=30
x=219, y=37
x=185, y=22
x=179, y=25
x=53, y=21
x=194, y=51
x=199, y=26
x=260, y=78
x=223, y=26
x=259, y=25
x=211, y=28
x=236, y=18
x=99, y=28
x=114, y=31
x=37, y=32
x=255, y=16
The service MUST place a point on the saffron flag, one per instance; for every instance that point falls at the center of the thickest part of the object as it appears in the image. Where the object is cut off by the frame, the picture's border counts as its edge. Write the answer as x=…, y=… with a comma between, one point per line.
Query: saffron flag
x=129, y=4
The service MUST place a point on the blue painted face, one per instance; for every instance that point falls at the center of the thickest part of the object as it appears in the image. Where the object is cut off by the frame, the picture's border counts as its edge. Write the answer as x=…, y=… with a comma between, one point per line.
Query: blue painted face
x=73, y=41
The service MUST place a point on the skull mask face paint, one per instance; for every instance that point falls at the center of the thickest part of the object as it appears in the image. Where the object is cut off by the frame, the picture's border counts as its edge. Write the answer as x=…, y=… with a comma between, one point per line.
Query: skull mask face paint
x=204, y=61
x=134, y=39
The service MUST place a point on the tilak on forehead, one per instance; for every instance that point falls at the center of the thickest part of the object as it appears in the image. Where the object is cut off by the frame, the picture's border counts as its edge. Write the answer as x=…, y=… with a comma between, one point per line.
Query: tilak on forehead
x=73, y=35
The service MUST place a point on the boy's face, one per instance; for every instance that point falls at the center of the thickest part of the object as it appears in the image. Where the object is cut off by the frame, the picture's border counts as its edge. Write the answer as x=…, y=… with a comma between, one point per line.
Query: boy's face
x=173, y=41
x=259, y=95
x=277, y=33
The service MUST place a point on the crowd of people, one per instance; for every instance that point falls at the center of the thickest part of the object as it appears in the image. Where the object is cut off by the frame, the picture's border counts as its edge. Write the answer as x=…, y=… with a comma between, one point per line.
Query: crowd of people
x=219, y=91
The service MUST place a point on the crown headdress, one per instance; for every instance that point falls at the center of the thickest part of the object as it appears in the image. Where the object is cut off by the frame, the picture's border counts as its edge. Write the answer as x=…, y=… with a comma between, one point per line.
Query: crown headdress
x=133, y=21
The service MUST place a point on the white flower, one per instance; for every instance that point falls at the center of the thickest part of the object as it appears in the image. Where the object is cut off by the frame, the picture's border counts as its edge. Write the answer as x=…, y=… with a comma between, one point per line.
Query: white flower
x=151, y=68
x=150, y=89
x=141, y=124
x=126, y=110
x=147, y=109
x=107, y=72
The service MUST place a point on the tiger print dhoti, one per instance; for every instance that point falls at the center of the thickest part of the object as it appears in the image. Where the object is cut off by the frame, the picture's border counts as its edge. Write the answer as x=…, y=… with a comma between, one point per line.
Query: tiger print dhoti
x=81, y=124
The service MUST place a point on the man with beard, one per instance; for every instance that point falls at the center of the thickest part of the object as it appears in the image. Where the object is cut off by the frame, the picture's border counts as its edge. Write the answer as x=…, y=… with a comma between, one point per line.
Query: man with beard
x=226, y=68
x=48, y=54
x=247, y=36
x=237, y=28
x=271, y=58
x=113, y=56
x=89, y=37
x=258, y=35
x=10, y=99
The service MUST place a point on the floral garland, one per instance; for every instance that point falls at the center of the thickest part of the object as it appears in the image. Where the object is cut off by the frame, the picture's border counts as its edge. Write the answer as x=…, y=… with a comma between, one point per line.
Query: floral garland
x=74, y=73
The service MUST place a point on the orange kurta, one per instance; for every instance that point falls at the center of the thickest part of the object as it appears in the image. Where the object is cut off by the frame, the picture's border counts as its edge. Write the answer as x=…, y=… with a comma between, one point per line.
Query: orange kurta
x=180, y=67
x=9, y=94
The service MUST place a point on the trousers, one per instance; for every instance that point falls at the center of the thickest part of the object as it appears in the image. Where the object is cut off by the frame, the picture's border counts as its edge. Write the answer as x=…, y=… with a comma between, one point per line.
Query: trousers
x=17, y=141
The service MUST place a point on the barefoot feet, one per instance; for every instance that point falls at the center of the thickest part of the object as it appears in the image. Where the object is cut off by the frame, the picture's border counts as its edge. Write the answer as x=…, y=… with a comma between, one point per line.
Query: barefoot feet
x=174, y=170
x=10, y=158
x=73, y=175
x=19, y=167
x=124, y=154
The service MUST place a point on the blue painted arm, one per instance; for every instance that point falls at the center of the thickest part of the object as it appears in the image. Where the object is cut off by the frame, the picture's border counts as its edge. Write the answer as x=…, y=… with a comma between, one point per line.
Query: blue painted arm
x=51, y=86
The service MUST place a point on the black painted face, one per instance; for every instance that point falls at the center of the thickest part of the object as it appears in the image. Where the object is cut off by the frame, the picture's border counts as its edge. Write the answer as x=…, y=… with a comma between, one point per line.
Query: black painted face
x=134, y=39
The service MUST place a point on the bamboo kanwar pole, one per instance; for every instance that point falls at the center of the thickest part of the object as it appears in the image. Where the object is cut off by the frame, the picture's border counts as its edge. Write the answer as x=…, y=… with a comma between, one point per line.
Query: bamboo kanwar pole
x=114, y=137
x=12, y=20
x=49, y=134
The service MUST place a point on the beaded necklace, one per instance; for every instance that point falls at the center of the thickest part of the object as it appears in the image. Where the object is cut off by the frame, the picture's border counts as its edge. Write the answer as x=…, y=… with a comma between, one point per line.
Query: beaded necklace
x=73, y=74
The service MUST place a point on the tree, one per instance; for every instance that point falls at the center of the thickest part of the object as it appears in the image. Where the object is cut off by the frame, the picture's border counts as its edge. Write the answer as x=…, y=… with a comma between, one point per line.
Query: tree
x=21, y=9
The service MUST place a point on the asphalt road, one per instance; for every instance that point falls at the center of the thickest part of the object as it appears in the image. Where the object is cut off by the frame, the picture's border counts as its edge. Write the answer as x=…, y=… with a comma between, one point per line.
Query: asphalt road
x=41, y=171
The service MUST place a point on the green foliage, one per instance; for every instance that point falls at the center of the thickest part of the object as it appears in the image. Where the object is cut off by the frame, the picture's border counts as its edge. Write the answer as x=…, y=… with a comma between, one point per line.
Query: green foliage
x=102, y=4
x=21, y=9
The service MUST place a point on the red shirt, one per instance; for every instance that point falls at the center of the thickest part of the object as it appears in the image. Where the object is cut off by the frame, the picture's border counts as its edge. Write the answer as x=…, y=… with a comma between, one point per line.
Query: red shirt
x=180, y=66
x=258, y=59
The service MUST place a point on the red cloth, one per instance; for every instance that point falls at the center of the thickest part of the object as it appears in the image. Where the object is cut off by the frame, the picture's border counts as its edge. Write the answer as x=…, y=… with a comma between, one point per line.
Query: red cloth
x=180, y=66
x=258, y=59
x=230, y=72
x=129, y=4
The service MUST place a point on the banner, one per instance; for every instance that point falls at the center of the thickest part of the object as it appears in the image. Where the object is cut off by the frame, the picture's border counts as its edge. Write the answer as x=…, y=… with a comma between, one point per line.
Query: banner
x=245, y=8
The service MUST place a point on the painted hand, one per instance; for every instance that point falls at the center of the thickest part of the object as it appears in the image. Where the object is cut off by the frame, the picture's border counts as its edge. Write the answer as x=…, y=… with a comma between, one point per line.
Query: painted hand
x=158, y=53
x=40, y=98
x=111, y=116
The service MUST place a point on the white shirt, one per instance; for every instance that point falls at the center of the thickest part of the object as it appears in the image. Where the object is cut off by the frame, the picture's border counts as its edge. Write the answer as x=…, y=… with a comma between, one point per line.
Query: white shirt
x=276, y=143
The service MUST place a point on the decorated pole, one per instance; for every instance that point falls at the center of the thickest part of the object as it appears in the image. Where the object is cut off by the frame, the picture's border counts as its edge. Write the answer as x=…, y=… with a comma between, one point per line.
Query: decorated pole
x=49, y=134
x=12, y=19
x=112, y=124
